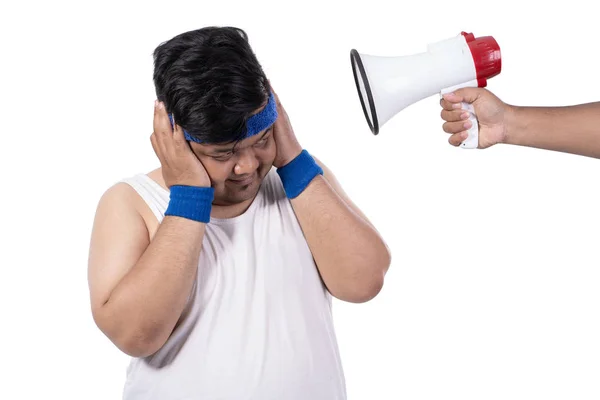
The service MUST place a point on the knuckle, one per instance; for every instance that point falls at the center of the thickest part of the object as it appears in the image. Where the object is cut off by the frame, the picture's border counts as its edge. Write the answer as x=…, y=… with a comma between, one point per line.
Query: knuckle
x=450, y=116
x=177, y=144
x=178, y=138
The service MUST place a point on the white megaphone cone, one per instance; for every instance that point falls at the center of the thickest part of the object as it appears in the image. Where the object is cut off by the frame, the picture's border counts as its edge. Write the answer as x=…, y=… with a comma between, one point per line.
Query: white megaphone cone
x=387, y=85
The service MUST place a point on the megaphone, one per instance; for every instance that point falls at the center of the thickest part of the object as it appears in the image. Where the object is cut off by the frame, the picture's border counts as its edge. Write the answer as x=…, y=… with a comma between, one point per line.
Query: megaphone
x=387, y=85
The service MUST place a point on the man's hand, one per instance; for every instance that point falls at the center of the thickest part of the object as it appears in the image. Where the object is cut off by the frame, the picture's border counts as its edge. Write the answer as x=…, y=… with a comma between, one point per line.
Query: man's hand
x=491, y=112
x=287, y=145
x=180, y=166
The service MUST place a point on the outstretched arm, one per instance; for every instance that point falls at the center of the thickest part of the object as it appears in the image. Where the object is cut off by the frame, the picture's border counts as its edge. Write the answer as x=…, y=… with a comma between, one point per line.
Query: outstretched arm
x=569, y=129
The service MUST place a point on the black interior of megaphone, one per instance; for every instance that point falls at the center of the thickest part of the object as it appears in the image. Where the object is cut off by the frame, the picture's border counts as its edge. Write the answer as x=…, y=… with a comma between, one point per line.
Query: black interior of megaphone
x=358, y=68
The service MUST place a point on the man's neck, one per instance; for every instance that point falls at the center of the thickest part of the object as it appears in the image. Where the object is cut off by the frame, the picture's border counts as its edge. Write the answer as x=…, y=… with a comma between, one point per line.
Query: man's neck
x=231, y=211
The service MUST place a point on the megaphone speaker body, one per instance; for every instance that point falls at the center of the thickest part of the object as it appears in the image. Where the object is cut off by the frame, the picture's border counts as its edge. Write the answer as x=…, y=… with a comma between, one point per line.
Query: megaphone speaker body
x=387, y=85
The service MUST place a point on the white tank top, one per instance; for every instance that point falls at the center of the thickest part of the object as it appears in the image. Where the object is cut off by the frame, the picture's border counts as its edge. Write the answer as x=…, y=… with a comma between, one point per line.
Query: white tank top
x=258, y=324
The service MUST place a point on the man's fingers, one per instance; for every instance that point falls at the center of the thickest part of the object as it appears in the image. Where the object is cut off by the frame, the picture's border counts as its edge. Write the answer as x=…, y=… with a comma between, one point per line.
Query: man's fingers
x=178, y=136
x=456, y=127
x=466, y=94
x=451, y=102
x=458, y=138
x=157, y=148
x=452, y=97
x=454, y=116
x=156, y=121
x=449, y=105
x=457, y=120
x=162, y=129
x=153, y=142
x=179, y=141
x=162, y=125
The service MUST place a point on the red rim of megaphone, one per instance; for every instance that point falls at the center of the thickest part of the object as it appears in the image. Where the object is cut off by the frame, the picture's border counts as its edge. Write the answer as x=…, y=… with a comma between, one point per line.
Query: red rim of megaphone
x=486, y=56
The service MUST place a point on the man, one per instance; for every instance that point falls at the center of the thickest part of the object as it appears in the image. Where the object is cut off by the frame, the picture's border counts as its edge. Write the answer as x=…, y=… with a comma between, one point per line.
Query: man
x=570, y=129
x=215, y=271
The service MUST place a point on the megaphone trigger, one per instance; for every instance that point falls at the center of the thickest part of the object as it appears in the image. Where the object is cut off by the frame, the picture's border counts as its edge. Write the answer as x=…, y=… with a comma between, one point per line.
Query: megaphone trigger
x=472, y=140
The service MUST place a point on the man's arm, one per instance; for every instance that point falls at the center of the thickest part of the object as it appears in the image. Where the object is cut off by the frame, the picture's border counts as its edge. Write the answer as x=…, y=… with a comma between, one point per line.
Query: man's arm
x=351, y=256
x=139, y=287
x=570, y=129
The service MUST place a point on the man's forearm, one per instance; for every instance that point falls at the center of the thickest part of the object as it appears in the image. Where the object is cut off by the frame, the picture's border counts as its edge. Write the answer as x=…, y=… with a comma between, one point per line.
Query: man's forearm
x=143, y=309
x=350, y=255
x=571, y=129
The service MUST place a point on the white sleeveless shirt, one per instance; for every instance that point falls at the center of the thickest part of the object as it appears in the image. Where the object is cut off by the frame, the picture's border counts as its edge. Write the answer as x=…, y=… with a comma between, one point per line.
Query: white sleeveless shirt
x=258, y=323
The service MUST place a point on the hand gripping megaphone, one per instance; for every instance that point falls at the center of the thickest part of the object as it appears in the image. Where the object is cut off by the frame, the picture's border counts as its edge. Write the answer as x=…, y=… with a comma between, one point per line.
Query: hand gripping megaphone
x=387, y=85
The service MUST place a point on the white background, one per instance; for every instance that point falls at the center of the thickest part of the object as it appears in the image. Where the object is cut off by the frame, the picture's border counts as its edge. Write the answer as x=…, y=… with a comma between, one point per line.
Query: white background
x=493, y=290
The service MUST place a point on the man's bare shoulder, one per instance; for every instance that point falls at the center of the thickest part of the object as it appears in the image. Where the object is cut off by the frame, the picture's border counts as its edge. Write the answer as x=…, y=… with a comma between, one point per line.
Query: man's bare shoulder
x=121, y=197
x=119, y=201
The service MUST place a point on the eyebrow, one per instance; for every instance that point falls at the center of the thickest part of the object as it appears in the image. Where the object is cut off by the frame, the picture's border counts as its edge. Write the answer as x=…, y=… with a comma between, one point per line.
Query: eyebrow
x=227, y=150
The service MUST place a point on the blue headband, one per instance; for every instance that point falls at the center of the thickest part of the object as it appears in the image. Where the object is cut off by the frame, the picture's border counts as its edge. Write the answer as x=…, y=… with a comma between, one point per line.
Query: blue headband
x=255, y=124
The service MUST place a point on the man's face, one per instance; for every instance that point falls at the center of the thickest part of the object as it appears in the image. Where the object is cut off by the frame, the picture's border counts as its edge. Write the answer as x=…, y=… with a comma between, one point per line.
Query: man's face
x=237, y=169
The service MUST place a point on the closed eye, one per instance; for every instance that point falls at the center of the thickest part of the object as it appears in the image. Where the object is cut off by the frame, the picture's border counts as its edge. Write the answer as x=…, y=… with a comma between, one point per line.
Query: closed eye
x=262, y=142
x=223, y=156
x=264, y=139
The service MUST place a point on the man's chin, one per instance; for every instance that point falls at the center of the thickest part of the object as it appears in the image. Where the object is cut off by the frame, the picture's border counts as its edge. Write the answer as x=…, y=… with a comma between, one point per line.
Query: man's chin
x=238, y=193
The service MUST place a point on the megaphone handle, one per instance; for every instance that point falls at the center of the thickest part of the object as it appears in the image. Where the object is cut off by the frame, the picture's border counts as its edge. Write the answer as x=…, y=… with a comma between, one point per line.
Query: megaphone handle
x=472, y=140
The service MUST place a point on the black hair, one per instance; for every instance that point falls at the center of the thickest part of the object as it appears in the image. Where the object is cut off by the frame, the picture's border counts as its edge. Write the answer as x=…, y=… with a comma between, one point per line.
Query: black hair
x=211, y=82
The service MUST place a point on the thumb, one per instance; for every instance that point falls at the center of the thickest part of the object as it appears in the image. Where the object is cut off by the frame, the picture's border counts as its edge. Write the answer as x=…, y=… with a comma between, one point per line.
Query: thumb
x=467, y=95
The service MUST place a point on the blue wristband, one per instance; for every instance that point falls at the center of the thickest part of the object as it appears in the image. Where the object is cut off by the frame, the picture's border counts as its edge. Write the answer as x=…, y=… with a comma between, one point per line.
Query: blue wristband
x=296, y=175
x=191, y=202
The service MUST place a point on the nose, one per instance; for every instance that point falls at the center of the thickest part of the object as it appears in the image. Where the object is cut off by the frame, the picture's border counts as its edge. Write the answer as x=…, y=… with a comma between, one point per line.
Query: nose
x=247, y=162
